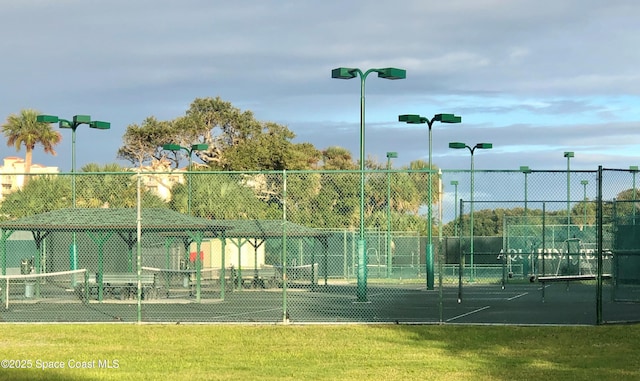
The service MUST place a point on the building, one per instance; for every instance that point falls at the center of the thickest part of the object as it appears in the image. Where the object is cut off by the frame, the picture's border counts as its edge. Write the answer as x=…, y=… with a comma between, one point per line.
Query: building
x=158, y=178
x=12, y=174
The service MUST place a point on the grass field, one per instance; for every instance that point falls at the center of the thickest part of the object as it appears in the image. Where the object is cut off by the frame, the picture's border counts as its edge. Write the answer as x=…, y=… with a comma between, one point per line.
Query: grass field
x=319, y=352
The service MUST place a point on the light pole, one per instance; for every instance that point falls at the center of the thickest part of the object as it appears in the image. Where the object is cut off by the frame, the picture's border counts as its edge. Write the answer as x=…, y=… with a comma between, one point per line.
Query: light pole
x=525, y=169
x=584, y=200
x=73, y=125
x=568, y=155
x=194, y=147
x=455, y=204
x=349, y=73
x=417, y=119
x=390, y=155
x=458, y=145
x=634, y=170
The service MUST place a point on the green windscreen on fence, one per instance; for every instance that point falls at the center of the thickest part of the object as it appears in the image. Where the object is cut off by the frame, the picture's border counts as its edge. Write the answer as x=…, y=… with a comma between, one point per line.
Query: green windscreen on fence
x=626, y=253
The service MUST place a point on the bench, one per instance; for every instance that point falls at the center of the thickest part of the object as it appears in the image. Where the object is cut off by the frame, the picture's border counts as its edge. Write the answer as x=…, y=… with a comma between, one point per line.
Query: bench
x=263, y=277
x=177, y=282
x=173, y=280
x=126, y=285
x=121, y=285
x=569, y=278
x=298, y=275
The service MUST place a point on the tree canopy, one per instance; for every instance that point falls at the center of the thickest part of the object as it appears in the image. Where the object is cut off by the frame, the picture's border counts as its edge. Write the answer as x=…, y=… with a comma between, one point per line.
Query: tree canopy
x=236, y=140
x=23, y=129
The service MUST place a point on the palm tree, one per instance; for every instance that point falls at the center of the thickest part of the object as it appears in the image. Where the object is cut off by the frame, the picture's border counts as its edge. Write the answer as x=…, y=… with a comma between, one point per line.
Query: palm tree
x=24, y=129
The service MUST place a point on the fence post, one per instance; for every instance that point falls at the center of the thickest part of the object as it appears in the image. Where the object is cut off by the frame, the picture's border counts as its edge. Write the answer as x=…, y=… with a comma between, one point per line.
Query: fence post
x=599, y=248
x=461, y=254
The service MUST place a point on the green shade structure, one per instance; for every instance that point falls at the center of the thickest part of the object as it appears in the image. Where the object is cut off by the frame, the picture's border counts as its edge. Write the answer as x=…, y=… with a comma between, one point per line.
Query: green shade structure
x=459, y=145
x=349, y=73
x=417, y=119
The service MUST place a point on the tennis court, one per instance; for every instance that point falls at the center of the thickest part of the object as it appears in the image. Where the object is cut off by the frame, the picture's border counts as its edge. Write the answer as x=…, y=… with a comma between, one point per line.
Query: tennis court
x=559, y=303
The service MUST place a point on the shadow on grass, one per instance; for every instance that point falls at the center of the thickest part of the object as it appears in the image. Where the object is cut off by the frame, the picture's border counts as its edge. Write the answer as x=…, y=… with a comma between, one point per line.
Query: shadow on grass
x=44, y=374
x=531, y=352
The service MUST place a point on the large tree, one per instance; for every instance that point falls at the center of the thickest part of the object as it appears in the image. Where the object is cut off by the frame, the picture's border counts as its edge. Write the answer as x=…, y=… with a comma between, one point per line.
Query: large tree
x=98, y=187
x=336, y=157
x=111, y=186
x=142, y=144
x=23, y=129
x=236, y=140
x=43, y=194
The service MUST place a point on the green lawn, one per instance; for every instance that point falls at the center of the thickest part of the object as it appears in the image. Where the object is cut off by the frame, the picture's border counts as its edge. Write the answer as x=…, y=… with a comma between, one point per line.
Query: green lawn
x=321, y=352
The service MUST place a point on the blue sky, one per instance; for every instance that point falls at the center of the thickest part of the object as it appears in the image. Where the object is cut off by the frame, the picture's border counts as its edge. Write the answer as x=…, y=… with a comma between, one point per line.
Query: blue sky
x=535, y=78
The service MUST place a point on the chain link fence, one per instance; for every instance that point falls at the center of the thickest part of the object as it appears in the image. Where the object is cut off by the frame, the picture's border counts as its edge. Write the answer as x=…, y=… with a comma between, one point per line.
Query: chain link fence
x=502, y=247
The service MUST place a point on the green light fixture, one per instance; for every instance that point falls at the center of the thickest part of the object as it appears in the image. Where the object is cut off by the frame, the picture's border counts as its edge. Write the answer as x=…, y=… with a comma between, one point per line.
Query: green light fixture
x=459, y=145
x=417, y=119
x=349, y=73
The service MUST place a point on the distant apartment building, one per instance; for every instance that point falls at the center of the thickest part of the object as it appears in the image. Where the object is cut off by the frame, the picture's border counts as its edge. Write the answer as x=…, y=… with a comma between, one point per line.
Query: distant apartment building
x=159, y=178
x=12, y=174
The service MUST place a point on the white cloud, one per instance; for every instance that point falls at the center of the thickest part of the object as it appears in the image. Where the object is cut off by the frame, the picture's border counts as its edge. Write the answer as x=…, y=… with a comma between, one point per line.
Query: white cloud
x=534, y=77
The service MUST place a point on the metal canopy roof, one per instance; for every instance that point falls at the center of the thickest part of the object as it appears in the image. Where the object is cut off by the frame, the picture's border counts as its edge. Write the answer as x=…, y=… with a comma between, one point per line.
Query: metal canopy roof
x=155, y=220
x=114, y=219
x=268, y=229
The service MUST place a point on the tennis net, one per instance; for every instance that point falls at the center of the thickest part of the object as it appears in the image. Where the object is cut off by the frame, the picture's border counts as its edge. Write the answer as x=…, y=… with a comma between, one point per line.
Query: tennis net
x=55, y=286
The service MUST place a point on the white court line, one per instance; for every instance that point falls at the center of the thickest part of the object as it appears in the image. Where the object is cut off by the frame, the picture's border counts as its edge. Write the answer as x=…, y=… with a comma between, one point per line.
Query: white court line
x=518, y=296
x=246, y=313
x=468, y=313
x=395, y=294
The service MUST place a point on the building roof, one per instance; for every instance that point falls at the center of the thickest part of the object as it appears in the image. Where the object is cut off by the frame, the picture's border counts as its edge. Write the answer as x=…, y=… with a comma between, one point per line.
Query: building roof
x=114, y=219
x=269, y=229
x=155, y=220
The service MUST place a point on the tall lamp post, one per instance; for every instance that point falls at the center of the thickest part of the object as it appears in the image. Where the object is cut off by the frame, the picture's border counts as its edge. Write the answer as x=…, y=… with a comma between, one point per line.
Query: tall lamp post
x=568, y=155
x=458, y=145
x=390, y=155
x=634, y=170
x=417, y=119
x=525, y=169
x=455, y=204
x=73, y=124
x=194, y=147
x=349, y=73
x=190, y=150
x=584, y=200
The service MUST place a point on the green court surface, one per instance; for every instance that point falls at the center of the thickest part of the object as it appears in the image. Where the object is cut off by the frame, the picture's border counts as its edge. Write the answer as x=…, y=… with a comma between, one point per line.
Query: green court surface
x=570, y=303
